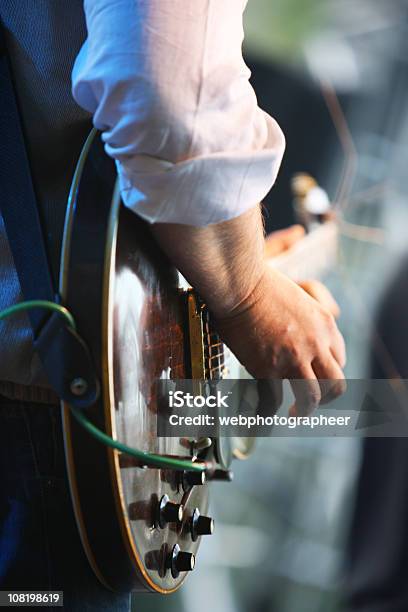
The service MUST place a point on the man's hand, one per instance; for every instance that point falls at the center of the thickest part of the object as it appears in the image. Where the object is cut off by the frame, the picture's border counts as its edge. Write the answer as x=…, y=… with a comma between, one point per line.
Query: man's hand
x=273, y=326
x=281, y=332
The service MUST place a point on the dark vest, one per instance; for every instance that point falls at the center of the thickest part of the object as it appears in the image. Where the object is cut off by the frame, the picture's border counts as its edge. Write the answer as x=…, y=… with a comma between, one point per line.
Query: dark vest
x=43, y=38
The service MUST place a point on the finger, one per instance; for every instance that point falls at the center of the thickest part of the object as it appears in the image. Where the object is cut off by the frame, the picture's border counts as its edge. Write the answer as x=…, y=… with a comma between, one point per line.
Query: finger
x=306, y=390
x=270, y=393
x=282, y=240
x=322, y=295
x=331, y=379
x=338, y=348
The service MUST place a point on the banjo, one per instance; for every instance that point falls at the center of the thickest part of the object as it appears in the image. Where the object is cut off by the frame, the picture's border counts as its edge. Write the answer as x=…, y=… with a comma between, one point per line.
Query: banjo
x=140, y=523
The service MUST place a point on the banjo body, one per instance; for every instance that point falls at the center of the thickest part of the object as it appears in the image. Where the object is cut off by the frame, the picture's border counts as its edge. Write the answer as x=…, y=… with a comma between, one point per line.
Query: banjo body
x=132, y=313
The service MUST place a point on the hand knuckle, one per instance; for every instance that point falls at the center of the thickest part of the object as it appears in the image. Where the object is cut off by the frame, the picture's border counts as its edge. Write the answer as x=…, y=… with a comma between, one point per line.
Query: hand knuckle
x=314, y=397
x=330, y=321
x=339, y=388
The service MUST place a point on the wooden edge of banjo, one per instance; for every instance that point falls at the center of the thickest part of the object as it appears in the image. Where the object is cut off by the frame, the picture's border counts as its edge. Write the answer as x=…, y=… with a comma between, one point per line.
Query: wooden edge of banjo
x=141, y=579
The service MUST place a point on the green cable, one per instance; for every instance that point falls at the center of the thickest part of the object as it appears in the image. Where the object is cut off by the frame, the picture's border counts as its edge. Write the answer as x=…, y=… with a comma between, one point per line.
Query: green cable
x=39, y=304
x=145, y=457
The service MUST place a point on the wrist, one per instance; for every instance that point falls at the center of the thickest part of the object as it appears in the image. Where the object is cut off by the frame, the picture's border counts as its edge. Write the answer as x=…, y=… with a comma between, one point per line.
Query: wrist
x=245, y=300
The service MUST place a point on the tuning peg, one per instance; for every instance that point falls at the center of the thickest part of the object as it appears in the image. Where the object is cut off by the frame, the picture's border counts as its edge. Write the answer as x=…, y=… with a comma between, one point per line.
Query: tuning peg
x=169, y=512
x=195, y=446
x=200, y=525
x=180, y=561
x=191, y=479
x=225, y=475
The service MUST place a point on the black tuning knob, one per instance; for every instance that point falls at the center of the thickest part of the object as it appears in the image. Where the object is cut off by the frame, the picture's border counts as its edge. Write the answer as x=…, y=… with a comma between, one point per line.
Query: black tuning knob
x=200, y=525
x=191, y=479
x=169, y=512
x=180, y=561
x=225, y=475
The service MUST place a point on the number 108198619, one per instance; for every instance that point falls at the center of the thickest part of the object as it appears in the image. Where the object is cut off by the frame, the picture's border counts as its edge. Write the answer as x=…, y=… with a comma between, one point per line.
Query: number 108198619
x=31, y=598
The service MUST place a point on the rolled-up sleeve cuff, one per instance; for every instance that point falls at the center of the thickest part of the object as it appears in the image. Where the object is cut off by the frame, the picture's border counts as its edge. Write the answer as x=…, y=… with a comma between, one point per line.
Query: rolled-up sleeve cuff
x=202, y=190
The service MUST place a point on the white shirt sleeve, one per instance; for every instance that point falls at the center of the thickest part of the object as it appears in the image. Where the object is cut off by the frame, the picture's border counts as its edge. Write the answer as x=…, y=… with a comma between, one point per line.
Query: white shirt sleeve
x=167, y=85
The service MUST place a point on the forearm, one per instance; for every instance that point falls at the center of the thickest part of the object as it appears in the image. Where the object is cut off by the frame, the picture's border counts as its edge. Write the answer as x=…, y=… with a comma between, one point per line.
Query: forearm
x=272, y=326
x=223, y=262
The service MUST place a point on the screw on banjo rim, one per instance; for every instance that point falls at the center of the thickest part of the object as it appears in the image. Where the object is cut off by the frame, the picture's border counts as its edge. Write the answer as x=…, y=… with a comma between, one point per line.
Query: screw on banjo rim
x=79, y=386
